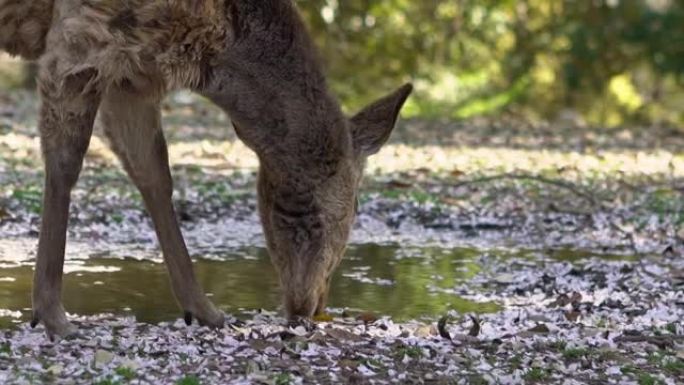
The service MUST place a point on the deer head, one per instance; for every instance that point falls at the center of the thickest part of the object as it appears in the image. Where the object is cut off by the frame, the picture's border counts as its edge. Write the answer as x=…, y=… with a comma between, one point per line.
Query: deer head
x=308, y=207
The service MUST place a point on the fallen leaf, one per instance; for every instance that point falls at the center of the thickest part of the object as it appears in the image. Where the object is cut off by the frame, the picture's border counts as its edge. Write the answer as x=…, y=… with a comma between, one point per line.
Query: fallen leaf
x=399, y=184
x=283, y=335
x=680, y=354
x=345, y=363
x=299, y=331
x=261, y=345
x=425, y=331
x=575, y=298
x=130, y=364
x=342, y=335
x=450, y=201
x=103, y=357
x=367, y=317
x=455, y=173
x=56, y=369
x=540, y=329
x=564, y=300
x=572, y=316
x=538, y=318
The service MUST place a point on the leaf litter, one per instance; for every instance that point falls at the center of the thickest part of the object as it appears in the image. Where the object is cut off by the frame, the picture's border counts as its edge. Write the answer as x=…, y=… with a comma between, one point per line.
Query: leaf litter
x=565, y=322
x=628, y=325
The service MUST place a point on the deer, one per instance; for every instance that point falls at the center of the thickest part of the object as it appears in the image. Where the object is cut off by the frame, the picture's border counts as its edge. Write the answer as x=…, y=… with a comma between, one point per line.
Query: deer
x=111, y=62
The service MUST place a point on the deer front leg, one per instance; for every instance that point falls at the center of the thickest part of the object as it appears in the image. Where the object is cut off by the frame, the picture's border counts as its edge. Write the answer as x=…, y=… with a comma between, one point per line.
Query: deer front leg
x=133, y=125
x=66, y=122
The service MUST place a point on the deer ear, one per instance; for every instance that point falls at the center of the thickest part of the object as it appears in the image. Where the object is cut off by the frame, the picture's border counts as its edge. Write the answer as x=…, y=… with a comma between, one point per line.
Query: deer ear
x=373, y=125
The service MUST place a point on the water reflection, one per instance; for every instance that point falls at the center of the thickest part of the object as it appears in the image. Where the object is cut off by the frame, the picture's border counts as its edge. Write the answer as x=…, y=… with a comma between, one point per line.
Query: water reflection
x=383, y=279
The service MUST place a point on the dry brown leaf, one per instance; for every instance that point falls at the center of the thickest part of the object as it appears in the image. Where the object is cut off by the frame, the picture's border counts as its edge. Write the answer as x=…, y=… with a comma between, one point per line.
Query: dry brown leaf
x=399, y=184
x=456, y=173
x=450, y=201
x=572, y=316
x=564, y=300
x=575, y=298
x=540, y=329
x=367, y=317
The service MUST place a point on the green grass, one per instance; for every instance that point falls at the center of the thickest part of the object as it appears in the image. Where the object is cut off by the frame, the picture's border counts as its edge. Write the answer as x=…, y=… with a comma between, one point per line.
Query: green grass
x=641, y=376
x=668, y=363
x=411, y=351
x=536, y=375
x=126, y=373
x=573, y=354
x=666, y=202
x=647, y=379
x=189, y=380
x=282, y=379
x=417, y=196
x=609, y=355
x=477, y=379
x=516, y=361
x=673, y=365
x=30, y=197
x=671, y=328
x=559, y=345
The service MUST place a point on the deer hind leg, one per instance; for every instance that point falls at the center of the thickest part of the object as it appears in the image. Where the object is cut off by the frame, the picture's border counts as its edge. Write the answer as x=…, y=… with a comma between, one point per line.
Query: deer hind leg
x=68, y=109
x=132, y=122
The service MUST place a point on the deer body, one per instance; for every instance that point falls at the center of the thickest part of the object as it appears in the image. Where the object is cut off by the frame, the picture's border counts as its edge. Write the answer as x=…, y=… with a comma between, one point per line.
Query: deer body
x=116, y=59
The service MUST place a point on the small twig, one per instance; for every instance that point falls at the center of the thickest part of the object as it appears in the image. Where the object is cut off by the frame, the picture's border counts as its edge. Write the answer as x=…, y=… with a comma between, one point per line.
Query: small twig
x=518, y=176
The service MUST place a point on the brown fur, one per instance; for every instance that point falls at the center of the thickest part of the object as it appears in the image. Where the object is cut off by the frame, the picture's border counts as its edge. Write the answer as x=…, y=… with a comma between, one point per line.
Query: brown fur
x=23, y=26
x=252, y=58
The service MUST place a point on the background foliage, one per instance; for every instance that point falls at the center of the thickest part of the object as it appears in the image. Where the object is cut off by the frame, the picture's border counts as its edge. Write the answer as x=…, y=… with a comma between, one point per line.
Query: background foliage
x=611, y=61
x=605, y=62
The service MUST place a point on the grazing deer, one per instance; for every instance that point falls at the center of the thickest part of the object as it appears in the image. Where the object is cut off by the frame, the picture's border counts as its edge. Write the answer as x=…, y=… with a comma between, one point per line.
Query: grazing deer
x=118, y=58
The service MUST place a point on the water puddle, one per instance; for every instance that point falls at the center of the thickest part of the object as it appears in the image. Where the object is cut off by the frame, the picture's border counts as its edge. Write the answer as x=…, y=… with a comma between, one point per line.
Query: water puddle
x=390, y=280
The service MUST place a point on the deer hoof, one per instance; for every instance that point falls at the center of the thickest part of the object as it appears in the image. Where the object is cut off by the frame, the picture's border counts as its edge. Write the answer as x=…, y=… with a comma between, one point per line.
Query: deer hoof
x=56, y=327
x=213, y=319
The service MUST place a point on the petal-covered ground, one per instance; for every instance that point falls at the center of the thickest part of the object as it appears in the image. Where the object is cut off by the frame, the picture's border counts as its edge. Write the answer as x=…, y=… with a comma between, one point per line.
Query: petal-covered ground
x=503, y=184
x=599, y=322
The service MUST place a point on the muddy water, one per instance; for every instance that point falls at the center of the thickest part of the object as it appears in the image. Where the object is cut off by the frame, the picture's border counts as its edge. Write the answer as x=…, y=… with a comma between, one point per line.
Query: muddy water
x=383, y=279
